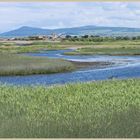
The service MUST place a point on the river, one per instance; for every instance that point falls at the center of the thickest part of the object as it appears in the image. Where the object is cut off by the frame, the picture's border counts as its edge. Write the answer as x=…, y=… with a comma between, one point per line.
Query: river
x=123, y=67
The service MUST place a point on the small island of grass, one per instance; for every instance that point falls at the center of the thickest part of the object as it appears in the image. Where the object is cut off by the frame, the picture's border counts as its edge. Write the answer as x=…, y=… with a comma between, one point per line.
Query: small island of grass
x=14, y=64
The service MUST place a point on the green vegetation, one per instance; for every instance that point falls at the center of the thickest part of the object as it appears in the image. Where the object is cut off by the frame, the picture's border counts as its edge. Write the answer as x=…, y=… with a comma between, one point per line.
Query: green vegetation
x=97, y=38
x=90, y=39
x=92, y=110
x=36, y=46
x=105, y=51
x=29, y=48
x=97, y=110
x=19, y=65
x=13, y=64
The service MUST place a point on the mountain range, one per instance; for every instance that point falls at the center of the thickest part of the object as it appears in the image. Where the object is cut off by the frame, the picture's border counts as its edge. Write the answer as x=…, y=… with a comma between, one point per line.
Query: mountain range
x=83, y=30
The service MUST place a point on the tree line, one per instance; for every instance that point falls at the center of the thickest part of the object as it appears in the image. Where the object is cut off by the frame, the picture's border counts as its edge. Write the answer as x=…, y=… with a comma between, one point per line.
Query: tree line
x=99, y=38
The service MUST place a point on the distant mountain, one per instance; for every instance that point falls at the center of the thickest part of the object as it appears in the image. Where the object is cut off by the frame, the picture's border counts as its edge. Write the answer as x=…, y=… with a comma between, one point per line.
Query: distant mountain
x=25, y=31
x=90, y=30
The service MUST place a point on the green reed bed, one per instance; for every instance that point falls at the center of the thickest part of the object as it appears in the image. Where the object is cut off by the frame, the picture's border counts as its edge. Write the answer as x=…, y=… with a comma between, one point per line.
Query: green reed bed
x=13, y=64
x=106, y=51
x=96, y=109
x=29, y=48
x=36, y=46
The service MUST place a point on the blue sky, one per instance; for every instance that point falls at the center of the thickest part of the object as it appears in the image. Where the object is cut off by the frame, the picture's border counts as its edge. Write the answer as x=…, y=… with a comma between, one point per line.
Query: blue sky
x=68, y=14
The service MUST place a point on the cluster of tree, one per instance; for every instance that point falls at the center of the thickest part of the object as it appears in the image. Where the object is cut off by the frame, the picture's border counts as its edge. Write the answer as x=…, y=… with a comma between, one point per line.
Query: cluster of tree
x=99, y=38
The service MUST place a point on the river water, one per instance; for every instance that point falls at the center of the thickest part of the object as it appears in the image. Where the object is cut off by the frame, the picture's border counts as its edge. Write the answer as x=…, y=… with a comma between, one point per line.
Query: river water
x=123, y=67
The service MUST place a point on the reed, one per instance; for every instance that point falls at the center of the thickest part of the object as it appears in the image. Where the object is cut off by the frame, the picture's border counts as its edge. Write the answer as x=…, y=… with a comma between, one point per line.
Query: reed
x=105, y=109
x=13, y=64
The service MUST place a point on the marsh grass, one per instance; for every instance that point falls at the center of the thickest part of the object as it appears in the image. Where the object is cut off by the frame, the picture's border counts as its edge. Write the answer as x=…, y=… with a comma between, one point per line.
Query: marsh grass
x=23, y=47
x=36, y=46
x=13, y=64
x=105, y=109
x=106, y=51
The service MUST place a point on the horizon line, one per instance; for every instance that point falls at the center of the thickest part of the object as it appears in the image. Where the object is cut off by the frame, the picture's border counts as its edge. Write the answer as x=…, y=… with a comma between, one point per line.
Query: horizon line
x=28, y=26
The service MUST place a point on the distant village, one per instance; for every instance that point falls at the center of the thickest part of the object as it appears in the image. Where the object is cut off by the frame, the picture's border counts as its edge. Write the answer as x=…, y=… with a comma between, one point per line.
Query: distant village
x=60, y=37
x=52, y=37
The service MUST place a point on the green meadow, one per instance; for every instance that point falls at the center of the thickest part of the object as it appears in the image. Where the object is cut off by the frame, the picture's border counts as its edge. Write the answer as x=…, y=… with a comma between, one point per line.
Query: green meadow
x=113, y=47
x=105, y=109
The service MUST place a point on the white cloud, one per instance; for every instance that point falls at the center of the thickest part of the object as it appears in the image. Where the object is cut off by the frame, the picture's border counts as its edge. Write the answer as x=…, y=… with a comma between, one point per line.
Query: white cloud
x=68, y=14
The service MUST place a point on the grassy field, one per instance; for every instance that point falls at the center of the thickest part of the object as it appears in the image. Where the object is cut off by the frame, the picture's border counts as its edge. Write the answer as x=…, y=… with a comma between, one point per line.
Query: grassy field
x=29, y=48
x=105, y=51
x=105, y=109
x=35, y=46
x=13, y=64
x=124, y=47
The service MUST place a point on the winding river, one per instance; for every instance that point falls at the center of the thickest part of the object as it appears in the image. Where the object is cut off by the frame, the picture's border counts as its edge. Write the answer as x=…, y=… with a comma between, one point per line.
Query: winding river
x=123, y=67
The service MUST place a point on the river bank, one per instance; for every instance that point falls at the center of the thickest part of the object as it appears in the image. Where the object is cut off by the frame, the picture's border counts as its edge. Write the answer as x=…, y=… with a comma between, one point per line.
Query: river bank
x=93, y=65
x=84, y=68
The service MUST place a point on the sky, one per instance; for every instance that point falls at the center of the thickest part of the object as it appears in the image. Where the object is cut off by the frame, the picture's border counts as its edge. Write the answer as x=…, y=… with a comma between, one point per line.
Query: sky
x=68, y=14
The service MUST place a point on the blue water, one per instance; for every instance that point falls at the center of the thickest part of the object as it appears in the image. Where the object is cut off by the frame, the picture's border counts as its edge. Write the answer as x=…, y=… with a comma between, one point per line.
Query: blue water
x=124, y=67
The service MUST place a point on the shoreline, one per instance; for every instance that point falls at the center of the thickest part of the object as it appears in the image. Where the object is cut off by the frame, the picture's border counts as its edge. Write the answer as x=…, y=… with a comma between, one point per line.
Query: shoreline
x=82, y=65
x=74, y=53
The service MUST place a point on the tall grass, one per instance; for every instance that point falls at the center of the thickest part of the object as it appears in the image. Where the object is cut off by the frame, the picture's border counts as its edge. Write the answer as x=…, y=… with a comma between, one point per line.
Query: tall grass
x=42, y=45
x=107, y=109
x=106, y=51
x=13, y=64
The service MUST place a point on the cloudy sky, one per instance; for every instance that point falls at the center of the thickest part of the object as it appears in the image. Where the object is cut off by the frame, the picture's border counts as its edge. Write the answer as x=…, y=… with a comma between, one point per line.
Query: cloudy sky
x=68, y=14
